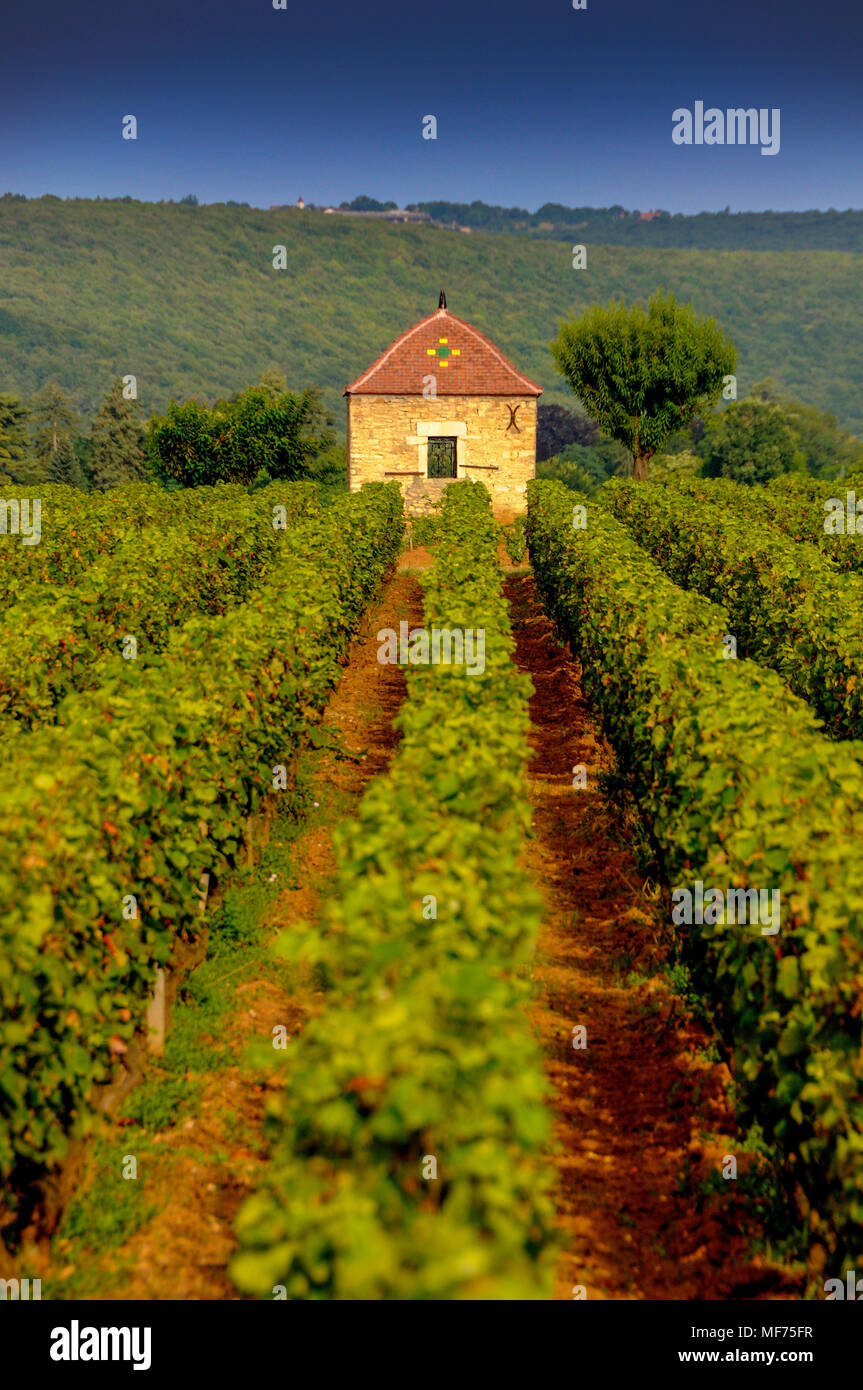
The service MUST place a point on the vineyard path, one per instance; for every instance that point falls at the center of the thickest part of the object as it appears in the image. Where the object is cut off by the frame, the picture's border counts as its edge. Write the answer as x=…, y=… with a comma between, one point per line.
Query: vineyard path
x=642, y=1115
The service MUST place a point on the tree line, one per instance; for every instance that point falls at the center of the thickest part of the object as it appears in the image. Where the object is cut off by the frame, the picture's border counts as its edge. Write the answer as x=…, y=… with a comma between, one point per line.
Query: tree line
x=47, y=440
x=725, y=230
x=650, y=379
x=254, y=436
x=616, y=225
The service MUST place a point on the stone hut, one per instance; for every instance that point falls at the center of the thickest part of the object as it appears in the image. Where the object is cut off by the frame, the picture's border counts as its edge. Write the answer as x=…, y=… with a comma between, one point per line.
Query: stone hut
x=443, y=402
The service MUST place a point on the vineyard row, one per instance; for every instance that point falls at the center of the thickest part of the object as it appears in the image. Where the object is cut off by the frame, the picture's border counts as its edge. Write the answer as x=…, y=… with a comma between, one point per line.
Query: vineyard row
x=110, y=821
x=739, y=788
x=788, y=606
x=408, y=1163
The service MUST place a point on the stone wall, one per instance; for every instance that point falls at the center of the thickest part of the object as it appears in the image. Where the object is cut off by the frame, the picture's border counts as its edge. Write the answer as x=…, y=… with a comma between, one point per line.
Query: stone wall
x=388, y=438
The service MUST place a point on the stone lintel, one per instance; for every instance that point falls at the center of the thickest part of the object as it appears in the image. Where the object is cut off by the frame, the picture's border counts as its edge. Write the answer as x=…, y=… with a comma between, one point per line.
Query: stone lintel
x=428, y=428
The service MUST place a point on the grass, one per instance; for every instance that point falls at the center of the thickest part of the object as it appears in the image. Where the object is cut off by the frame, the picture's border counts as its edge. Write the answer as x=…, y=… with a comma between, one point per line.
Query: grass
x=161, y=1101
x=103, y=1215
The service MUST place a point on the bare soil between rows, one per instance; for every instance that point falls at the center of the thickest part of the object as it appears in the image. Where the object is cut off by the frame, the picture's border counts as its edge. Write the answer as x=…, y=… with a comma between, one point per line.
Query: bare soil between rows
x=642, y=1115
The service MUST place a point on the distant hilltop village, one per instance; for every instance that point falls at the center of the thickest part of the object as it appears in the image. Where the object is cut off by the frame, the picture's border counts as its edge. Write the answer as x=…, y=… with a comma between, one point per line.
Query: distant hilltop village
x=383, y=212
x=388, y=212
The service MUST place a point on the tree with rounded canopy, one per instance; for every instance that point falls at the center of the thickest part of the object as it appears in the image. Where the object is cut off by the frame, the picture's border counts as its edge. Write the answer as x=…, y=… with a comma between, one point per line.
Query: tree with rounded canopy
x=749, y=442
x=264, y=431
x=822, y=446
x=643, y=374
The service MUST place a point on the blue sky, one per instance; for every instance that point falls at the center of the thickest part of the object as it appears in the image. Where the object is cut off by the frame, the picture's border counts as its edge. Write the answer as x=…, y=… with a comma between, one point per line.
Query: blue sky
x=535, y=102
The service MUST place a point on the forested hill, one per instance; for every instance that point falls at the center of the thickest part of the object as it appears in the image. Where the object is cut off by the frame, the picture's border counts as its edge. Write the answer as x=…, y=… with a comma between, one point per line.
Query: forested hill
x=187, y=300
x=709, y=231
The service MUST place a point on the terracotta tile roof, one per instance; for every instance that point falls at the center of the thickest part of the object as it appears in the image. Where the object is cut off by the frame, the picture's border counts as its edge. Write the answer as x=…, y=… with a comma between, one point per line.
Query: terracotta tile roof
x=464, y=362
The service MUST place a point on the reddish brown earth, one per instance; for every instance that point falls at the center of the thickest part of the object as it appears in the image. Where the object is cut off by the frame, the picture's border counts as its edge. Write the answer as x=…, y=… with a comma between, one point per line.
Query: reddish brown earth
x=633, y=1109
x=195, y=1176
